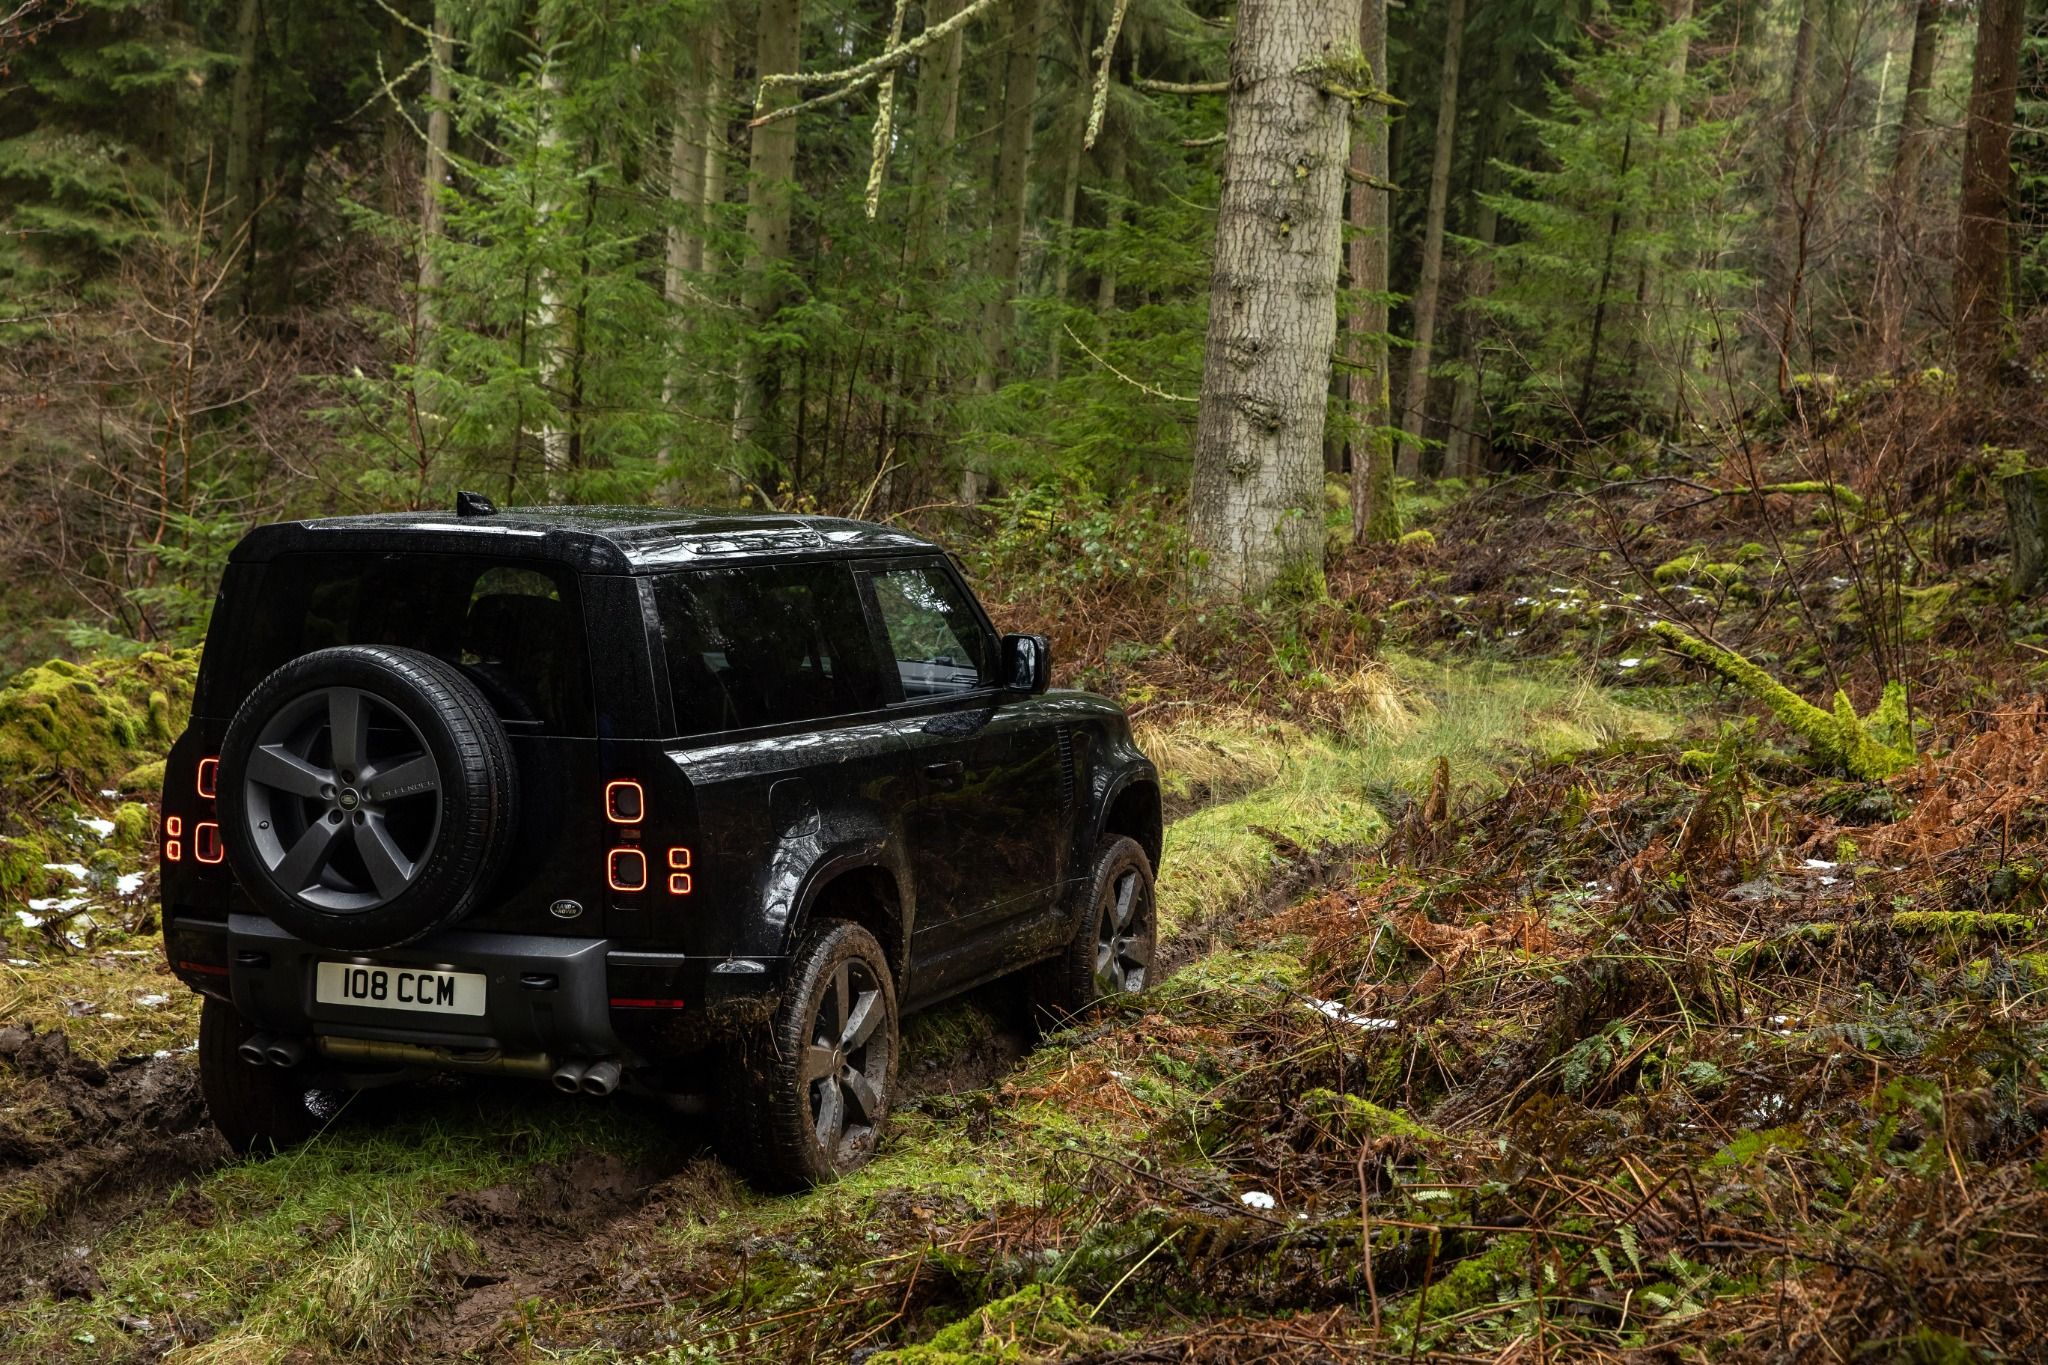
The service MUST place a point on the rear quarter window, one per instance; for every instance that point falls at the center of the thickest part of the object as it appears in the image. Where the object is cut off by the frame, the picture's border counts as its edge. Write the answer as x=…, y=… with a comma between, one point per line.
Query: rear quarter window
x=765, y=644
x=515, y=628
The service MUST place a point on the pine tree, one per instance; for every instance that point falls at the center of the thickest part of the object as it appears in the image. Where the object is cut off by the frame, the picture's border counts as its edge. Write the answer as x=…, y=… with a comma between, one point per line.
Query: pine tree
x=1614, y=200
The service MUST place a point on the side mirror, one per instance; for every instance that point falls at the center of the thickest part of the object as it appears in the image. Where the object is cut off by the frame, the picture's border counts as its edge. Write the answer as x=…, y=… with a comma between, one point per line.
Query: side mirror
x=1027, y=663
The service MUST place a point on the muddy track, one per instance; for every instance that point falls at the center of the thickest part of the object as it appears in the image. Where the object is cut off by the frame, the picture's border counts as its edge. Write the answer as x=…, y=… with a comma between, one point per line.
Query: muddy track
x=82, y=1146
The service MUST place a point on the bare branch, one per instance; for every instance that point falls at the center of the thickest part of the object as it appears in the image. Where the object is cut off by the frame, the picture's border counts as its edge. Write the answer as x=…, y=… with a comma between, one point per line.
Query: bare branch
x=1185, y=87
x=1100, y=104
x=860, y=76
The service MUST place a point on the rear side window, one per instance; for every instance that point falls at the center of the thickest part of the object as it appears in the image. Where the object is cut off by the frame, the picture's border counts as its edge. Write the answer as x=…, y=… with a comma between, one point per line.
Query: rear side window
x=765, y=645
x=937, y=639
x=515, y=628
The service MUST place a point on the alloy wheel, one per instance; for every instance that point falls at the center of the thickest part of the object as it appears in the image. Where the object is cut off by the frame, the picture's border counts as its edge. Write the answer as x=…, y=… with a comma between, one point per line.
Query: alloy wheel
x=343, y=799
x=1123, y=935
x=844, y=1070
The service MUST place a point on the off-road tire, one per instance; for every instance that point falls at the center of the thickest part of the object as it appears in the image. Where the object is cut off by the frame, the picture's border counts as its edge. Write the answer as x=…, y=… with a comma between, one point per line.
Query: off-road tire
x=478, y=793
x=259, y=1109
x=768, y=1108
x=1075, y=985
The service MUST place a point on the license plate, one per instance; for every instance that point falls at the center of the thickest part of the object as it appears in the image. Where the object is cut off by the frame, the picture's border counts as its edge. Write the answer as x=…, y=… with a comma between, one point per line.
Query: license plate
x=399, y=988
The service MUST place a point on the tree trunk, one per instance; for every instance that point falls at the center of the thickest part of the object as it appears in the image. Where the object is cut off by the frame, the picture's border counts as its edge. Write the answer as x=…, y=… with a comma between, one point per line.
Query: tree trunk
x=683, y=258
x=1461, y=448
x=1070, y=185
x=717, y=145
x=1901, y=190
x=1413, y=407
x=245, y=143
x=554, y=367
x=771, y=163
x=1256, y=511
x=1114, y=162
x=1012, y=179
x=1982, y=246
x=2026, y=510
x=1677, y=12
x=433, y=181
x=1375, y=517
x=1785, y=209
x=1006, y=230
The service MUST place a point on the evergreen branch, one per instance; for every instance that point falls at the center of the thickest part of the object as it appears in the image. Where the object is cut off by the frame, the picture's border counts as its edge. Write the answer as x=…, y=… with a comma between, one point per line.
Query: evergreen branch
x=1137, y=384
x=859, y=76
x=1371, y=182
x=1099, y=104
x=1213, y=140
x=1184, y=87
x=885, y=119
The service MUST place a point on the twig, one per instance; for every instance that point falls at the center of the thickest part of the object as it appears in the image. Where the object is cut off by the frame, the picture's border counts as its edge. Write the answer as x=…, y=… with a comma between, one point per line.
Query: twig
x=1138, y=384
x=1184, y=87
x=859, y=76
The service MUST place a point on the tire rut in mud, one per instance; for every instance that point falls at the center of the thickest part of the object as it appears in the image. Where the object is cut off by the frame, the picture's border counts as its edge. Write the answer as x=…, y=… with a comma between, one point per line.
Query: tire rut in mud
x=81, y=1146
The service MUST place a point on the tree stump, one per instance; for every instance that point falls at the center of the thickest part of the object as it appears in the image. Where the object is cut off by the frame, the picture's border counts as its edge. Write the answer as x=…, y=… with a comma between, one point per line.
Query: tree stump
x=2026, y=508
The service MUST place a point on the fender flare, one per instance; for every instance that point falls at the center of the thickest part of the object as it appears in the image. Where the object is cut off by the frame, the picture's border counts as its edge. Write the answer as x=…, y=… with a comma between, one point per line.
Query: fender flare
x=882, y=855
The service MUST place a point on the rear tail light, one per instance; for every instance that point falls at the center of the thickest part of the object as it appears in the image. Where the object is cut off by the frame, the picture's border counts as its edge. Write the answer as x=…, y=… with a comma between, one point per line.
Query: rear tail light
x=624, y=802
x=174, y=834
x=626, y=869
x=206, y=844
x=678, y=882
x=207, y=782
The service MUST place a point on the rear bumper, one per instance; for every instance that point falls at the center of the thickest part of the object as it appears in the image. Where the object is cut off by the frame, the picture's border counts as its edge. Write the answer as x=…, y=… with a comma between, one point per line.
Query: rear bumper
x=563, y=997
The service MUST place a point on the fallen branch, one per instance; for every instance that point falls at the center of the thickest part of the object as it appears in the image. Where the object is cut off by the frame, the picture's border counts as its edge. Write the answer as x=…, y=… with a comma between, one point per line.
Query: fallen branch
x=1185, y=87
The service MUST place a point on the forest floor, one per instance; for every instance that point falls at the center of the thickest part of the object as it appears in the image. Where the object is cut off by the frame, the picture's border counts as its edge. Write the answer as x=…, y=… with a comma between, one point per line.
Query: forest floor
x=1526, y=1002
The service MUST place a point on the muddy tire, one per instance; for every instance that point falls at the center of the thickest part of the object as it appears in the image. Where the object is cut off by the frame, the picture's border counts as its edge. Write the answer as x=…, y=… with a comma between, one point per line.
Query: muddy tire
x=259, y=1108
x=1114, y=941
x=806, y=1098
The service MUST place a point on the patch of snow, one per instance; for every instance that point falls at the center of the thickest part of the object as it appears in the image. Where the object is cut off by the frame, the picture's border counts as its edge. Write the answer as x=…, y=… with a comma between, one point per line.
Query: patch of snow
x=1524, y=601
x=1330, y=1009
x=1628, y=663
x=103, y=828
x=128, y=883
x=152, y=1002
x=20, y=961
x=1820, y=865
x=110, y=795
x=60, y=905
x=1258, y=1199
x=28, y=921
x=76, y=871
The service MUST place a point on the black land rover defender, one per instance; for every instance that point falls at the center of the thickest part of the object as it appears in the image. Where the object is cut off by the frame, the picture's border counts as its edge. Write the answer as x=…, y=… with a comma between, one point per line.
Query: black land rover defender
x=700, y=804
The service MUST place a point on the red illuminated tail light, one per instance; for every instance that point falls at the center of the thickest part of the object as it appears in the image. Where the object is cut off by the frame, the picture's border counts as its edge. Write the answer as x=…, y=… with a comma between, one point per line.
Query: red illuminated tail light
x=174, y=830
x=173, y=851
x=206, y=844
x=624, y=802
x=208, y=780
x=626, y=869
x=679, y=883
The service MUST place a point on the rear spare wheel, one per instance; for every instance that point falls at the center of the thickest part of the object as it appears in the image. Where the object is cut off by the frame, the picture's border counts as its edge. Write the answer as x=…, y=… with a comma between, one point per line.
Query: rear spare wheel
x=367, y=795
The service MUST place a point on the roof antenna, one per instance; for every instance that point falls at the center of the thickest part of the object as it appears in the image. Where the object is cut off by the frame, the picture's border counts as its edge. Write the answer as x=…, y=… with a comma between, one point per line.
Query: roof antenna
x=474, y=505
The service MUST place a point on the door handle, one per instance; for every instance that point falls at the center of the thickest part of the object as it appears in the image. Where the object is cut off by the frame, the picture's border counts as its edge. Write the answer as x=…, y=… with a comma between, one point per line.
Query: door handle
x=946, y=777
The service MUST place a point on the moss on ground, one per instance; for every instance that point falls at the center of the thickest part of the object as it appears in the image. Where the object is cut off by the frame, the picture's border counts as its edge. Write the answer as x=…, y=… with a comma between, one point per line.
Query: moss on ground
x=1036, y=1323
x=92, y=722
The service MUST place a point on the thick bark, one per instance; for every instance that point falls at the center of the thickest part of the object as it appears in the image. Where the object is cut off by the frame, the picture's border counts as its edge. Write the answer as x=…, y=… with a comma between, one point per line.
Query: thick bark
x=433, y=180
x=1414, y=405
x=1984, y=223
x=1374, y=515
x=717, y=133
x=1901, y=189
x=771, y=164
x=245, y=143
x=2026, y=510
x=1677, y=12
x=1256, y=512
